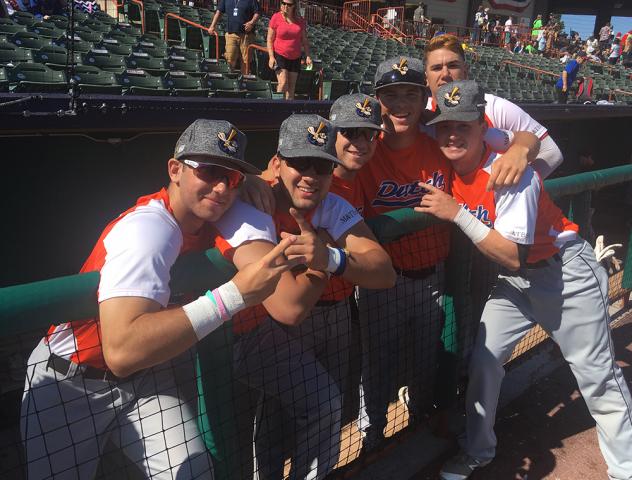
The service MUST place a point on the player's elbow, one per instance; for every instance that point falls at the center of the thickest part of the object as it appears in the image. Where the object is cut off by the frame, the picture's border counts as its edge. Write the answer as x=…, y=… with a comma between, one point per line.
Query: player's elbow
x=119, y=362
x=512, y=264
x=292, y=316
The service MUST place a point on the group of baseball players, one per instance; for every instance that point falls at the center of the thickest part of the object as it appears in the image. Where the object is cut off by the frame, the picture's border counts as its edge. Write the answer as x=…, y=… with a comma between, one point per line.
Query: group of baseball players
x=306, y=264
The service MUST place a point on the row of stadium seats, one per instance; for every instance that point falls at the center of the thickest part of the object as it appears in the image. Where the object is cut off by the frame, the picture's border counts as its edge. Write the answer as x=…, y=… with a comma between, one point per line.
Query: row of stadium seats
x=36, y=77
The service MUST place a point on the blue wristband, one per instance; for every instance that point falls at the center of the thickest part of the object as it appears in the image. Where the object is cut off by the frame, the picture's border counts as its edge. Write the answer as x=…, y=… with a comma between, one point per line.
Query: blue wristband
x=343, y=262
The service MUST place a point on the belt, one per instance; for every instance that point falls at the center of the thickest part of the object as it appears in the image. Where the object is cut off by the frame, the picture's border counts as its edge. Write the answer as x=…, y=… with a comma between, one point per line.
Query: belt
x=544, y=263
x=62, y=366
x=327, y=303
x=417, y=274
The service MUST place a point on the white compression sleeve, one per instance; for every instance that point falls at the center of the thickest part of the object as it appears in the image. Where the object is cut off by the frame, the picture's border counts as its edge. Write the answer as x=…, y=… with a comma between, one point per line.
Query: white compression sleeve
x=471, y=226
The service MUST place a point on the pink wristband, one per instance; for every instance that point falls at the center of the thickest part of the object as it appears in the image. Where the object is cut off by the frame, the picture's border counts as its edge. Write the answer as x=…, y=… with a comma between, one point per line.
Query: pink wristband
x=220, y=304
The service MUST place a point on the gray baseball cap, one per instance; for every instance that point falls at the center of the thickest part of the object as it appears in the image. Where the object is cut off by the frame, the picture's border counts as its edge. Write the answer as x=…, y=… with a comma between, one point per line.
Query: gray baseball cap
x=356, y=111
x=308, y=135
x=462, y=101
x=401, y=71
x=217, y=140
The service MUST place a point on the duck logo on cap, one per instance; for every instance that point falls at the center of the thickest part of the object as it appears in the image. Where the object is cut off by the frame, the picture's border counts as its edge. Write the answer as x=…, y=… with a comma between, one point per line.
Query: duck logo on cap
x=227, y=144
x=402, y=67
x=364, y=109
x=453, y=98
x=317, y=136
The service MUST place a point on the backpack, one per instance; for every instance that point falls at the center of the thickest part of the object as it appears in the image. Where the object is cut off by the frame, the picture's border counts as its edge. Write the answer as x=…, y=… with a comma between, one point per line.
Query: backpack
x=585, y=91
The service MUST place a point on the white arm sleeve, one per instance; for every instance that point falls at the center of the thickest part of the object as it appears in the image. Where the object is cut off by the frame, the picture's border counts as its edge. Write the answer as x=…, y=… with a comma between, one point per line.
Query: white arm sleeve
x=549, y=158
x=141, y=249
x=517, y=209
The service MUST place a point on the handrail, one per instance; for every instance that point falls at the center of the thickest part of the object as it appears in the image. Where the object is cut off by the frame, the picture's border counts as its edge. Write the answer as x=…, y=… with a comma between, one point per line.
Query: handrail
x=193, y=24
x=377, y=22
x=254, y=46
x=361, y=22
x=39, y=304
x=618, y=91
x=142, y=14
x=529, y=67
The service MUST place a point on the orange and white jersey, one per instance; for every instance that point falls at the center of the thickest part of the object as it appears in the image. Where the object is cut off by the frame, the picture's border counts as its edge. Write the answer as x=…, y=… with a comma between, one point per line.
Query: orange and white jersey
x=504, y=115
x=134, y=256
x=391, y=181
x=523, y=213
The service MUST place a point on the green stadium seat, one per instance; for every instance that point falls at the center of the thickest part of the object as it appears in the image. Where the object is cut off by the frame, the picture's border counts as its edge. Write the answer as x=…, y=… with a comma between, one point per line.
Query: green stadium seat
x=180, y=51
x=88, y=35
x=104, y=60
x=307, y=84
x=258, y=88
x=139, y=82
x=224, y=87
x=24, y=18
x=113, y=46
x=96, y=26
x=35, y=77
x=11, y=54
x=176, y=62
x=211, y=65
x=46, y=29
x=103, y=17
x=121, y=37
x=151, y=49
x=80, y=46
x=9, y=27
x=4, y=81
x=127, y=29
x=54, y=57
x=183, y=85
x=59, y=20
x=144, y=61
x=29, y=40
x=157, y=41
x=94, y=80
x=79, y=16
x=153, y=21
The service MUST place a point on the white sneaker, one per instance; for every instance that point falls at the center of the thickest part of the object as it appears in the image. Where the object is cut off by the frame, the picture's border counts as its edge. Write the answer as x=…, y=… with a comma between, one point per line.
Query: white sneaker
x=460, y=467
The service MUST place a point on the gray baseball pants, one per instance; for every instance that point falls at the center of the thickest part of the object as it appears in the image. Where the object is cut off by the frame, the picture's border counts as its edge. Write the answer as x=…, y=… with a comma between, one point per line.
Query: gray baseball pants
x=273, y=361
x=569, y=300
x=67, y=420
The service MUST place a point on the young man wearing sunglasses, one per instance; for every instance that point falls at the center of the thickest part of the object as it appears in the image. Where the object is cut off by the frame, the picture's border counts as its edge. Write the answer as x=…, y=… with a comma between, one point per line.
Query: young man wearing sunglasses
x=127, y=375
x=339, y=243
x=549, y=276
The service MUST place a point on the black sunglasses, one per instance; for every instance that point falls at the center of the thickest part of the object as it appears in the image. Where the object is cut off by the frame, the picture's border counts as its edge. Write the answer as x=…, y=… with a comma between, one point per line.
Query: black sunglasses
x=395, y=76
x=369, y=134
x=303, y=164
x=287, y=4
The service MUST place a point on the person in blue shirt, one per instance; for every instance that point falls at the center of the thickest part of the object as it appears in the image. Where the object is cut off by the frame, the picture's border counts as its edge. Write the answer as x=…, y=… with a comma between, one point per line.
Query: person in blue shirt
x=241, y=18
x=567, y=78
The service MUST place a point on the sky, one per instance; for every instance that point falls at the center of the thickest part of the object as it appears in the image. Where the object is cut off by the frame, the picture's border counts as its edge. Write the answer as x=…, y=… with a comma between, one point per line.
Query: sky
x=584, y=24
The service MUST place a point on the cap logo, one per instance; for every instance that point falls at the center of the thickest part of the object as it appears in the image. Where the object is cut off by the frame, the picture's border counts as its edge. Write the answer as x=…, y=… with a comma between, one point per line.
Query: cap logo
x=402, y=67
x=317, y=136
x=226, y=143
x=453, y=98
x=181, y=148
x=364, y=110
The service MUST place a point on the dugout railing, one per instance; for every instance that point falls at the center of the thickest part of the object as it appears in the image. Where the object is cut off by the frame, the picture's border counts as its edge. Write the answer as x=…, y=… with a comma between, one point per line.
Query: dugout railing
x=27, y=310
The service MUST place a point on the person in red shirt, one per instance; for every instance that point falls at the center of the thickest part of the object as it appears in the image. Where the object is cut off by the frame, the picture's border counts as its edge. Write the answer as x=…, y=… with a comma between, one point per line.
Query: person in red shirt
x=127, y=375
x=287, y=35
x=549, y=276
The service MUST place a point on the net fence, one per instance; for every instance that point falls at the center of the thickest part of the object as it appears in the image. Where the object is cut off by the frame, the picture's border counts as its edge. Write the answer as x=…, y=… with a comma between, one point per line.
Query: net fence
x=257, y=397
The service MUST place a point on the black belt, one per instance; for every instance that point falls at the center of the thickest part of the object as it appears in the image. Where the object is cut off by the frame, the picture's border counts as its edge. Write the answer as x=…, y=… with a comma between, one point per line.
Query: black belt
x=62, y=366
x=417, y=274
x=544, y=263
x=327, y=303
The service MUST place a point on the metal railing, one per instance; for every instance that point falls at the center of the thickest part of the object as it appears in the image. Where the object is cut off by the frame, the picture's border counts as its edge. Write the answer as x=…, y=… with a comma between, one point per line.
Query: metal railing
x=204, y=29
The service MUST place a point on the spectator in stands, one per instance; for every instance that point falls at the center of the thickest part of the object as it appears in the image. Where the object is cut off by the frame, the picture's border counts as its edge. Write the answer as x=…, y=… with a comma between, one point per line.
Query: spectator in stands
x=537, y=26
x=569, y=74
x=128, y=374
x=542, y=41
x=604, y=36
x=548, y=276
x=530, y=49
x=508, y=30
x=479, y=21
x=287, y=38
x=518, y=47
x=592, y=44
x=615, y=52
x=241, y=18
x=420, y=19
x=626, y=56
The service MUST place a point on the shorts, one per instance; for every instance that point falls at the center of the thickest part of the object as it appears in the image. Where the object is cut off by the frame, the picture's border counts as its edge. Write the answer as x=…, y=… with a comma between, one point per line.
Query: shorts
x=287, y=64
x=237, y=47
